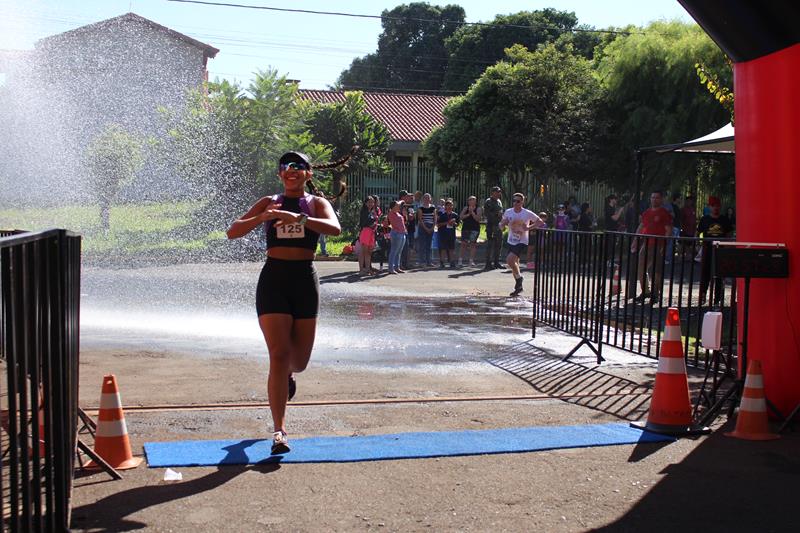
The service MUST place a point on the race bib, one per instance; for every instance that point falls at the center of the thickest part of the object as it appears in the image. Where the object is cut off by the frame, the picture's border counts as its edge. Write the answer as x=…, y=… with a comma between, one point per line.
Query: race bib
x=291, y=231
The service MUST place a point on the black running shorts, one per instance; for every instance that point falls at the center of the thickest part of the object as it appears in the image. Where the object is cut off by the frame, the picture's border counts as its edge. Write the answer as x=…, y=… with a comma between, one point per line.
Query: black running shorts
x=288, y=287
x=517, y=249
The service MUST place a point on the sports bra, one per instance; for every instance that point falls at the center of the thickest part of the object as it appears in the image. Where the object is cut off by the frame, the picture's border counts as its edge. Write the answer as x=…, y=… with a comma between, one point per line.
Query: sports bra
x=292, y=235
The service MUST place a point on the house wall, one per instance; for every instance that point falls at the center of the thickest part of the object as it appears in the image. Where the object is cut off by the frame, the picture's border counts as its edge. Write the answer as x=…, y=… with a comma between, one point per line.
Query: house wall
x=76, y=84
x=119, y=73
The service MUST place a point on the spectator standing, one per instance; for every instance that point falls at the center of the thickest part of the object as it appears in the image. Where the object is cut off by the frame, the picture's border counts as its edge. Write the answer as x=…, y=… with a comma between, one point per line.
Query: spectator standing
x=631, y=220
x=586, y=219
x=656, y=220
x=612, y=219
x=561, y=218
x=426, y=222
x=397, y=223
x=407, y=210
x=561, y=223
x=470, y=229
x=612, y=214
x=382, y=236
x=493, y=210
x=713, y=226
x=689, y=224
x=446, y=226
x=367, y=222
x=519, y=221
x=574, y=212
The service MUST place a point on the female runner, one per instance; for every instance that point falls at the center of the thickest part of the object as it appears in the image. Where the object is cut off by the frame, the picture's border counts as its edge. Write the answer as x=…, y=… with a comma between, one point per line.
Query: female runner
x=287, y=297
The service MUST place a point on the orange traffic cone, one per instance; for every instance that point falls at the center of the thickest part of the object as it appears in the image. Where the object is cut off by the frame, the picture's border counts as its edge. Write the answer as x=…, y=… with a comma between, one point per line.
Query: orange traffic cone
x=752, y=423
x=111, y=439
x=670, y=406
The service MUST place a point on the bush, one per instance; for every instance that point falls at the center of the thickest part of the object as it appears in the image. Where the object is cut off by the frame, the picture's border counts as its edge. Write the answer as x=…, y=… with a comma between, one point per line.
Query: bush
x=348, y=218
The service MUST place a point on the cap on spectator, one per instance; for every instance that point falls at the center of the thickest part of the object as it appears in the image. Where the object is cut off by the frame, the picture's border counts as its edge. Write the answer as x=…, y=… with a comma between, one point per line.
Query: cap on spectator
x=714, y=201
x=403, y=193
x=496, y=189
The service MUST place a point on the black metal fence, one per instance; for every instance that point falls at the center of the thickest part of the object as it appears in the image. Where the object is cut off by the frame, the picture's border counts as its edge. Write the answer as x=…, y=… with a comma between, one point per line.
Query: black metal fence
x=615, y=288
x=39, y=295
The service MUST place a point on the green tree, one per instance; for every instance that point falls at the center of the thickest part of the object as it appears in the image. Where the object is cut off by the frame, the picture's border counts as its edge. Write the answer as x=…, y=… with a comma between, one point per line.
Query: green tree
x=654, y=98
x=534, y=112
x=228, y=143
x=724, y=95
x=341, y=125
x=112, y=159
x=411, y=54
x=472, y=48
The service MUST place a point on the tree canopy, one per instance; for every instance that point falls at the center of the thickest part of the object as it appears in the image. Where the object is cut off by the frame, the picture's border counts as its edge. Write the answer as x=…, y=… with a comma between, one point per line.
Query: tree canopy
x=112, y=158
x=411, y=53
x=473, y=48
x=653, y=96
x=537, y=111
x=341, y=125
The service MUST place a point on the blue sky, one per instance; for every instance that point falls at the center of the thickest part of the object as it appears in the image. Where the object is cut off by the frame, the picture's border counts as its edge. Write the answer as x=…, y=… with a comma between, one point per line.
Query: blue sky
x=311, y=48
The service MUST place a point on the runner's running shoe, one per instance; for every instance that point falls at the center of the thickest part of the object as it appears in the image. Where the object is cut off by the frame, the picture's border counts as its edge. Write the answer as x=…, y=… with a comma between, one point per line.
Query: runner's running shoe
x=280, y=444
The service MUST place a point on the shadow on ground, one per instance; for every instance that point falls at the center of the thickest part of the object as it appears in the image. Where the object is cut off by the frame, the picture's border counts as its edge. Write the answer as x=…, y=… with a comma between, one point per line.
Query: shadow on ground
x=112, y=512
x=575, y=383
x=725, y=484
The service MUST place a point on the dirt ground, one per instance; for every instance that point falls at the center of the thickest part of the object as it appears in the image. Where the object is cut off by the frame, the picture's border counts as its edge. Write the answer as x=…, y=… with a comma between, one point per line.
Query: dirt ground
x=711, y=483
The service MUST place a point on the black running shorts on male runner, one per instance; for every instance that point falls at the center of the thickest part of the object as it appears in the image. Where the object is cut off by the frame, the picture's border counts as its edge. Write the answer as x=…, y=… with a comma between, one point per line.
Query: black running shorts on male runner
x=517, y=249
x=288, y=287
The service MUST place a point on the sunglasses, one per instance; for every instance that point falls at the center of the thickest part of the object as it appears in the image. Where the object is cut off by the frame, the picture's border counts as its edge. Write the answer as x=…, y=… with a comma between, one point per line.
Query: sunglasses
x=517, y=201
x=294, y=165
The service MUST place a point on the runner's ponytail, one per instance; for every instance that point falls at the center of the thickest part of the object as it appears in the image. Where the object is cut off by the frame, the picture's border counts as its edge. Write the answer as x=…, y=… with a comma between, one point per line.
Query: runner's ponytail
x=329, y=166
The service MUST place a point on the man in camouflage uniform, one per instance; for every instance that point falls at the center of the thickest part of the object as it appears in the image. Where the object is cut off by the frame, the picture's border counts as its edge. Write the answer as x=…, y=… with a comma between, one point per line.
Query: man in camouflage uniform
x=493, y=210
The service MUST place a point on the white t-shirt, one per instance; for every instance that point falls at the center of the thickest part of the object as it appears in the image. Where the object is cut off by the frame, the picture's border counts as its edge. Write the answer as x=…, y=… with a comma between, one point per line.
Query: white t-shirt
x=518, y=224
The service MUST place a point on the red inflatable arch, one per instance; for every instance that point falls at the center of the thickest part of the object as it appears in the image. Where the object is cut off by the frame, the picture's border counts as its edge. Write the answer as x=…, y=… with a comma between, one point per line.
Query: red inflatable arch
x=763, y=40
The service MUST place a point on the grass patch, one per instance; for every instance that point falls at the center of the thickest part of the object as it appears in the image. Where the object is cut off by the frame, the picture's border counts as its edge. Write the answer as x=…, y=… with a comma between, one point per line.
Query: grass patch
x=134, y=228
x=143, y=230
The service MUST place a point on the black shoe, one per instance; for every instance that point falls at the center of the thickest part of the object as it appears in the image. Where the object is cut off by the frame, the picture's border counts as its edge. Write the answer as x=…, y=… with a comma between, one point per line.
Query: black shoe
x=292, y=387
x=517, y=287
x=488, y=267
x=498, y=265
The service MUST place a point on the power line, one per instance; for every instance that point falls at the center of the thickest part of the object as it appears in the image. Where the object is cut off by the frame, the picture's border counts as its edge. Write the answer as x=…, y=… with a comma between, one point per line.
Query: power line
x=382, y=17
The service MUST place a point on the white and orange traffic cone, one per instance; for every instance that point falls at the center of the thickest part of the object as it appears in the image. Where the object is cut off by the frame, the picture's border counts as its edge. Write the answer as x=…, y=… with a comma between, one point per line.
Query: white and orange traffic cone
x=111, y=438
x=752, y=422
x=670, y=407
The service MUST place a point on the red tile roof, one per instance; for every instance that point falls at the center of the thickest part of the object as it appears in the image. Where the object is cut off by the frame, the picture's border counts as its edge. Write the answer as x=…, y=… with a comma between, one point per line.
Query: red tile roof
x=409, y=117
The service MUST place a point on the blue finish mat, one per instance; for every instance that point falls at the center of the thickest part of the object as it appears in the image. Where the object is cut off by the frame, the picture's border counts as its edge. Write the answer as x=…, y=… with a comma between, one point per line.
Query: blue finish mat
x=394, y=446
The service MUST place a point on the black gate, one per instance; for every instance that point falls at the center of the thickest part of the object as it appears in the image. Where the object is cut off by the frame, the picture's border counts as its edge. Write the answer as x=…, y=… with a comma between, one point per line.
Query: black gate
x=39, y=313
x=615, y=288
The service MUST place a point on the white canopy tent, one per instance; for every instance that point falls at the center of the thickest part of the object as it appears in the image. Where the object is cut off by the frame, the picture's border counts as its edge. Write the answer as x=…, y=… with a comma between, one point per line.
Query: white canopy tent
x=717, y=142
x=720, y=141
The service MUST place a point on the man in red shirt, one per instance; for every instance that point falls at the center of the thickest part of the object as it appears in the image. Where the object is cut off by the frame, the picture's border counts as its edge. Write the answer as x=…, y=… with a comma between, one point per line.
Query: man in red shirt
x=654, y=221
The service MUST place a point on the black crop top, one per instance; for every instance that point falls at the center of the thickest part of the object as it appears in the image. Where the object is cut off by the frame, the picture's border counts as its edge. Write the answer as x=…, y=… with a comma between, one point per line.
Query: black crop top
x=285, y=236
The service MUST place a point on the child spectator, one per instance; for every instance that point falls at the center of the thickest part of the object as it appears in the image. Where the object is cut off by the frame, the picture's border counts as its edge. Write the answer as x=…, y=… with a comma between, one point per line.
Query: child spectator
x=446, y=226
